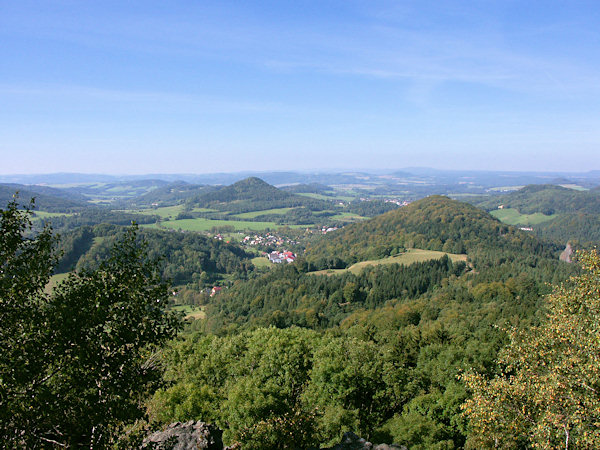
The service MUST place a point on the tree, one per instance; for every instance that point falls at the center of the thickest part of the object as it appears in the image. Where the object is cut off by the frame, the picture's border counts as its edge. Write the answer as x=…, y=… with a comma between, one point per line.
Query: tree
x=77, y=362
x=547, y=394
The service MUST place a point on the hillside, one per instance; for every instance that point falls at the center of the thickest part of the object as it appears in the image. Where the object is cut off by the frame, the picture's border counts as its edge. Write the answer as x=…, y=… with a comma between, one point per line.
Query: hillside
x=46, y=198
x=555, y=213
x=253, y=194
x=171, y=194
x=297, y=295
x=184, y=258
x=434, y=223
x=546, y=199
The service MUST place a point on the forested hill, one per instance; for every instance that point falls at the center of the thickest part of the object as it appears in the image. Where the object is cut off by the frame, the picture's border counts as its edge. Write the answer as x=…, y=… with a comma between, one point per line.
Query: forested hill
x=46, y=198
x=171, y=194
x=253, y=194
x=183, y=258
x=547, y=199
x=433, y=223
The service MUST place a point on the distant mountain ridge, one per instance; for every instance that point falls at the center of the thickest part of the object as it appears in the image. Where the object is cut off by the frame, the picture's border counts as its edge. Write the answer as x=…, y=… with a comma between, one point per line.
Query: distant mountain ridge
x=46, y=198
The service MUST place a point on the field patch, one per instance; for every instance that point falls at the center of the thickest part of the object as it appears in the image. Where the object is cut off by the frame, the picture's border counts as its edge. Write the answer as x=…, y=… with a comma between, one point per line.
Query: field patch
x=190, y=312
x=54, y=281
x=513, y=217
x=261, y=261
x=202, y=224
x=253, y=214
x=411, y=256
x=347, y=217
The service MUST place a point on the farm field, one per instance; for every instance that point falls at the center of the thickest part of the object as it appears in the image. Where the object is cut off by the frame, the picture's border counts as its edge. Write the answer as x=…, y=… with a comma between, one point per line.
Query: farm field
x=513, y=217
x=409, y=257
x=45, y=215
x=191, y=312
x=202, y=224
x=347, y=216
x=345, y=198
x=253, y=214
x=55, y=280
x=261, y=261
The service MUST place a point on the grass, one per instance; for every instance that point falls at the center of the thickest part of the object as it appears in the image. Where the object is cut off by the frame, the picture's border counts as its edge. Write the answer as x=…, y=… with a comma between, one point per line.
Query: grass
x=253, y=214
x=409, y=257
x=165, y=212
x=202, y=224
x=345, y=198
x=54, y=281
x=513, y=217
x=348, y=217
x=191, y=312
x=261, y=261
x=45, y=214
x=575, y=187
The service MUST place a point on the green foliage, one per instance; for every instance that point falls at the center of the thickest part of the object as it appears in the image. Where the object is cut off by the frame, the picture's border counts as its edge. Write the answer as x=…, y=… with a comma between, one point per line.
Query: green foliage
x=253, y=194
x=547, y=393
x=434, y=223
x=580, y=227
x=183, y=258
x=546, y=199
x=76, y=363
x=47, y=198
x=287, y=296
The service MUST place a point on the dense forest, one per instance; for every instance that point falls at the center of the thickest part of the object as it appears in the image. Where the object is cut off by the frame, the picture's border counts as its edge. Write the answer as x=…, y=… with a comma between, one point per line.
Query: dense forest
x=183, y=258
x=424, y=354
x=387, y=345
x=433, y=223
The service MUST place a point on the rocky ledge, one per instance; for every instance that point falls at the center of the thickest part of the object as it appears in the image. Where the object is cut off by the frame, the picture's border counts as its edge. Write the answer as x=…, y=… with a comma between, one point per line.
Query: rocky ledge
x=199, y=435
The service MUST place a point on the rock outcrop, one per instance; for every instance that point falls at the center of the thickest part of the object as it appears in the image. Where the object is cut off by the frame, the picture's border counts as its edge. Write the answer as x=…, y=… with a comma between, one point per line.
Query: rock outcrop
x=199, y=435
x=186, y=436
x=566, y=254
x=351, y=441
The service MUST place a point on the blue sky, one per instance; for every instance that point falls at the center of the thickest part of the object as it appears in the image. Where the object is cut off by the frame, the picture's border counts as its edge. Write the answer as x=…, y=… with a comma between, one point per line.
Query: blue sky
x=196, y=86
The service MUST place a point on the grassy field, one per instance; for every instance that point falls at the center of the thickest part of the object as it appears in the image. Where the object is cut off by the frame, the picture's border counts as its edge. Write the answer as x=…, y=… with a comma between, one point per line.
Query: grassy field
x=206, y=224
x=165, y=212
x=253, y=214
x=409, y=257
x=513, y=217
x=261, y=261
x=345, y=198
x=347, y=216
x=46, y=215
x=191, y=312
x=54, y=280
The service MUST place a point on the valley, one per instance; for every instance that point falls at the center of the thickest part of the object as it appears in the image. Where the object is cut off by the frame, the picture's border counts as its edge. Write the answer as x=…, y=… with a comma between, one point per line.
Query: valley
x=386, y=305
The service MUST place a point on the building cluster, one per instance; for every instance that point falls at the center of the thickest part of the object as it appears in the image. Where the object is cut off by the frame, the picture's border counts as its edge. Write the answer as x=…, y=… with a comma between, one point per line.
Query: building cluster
x=397, y=202
x=268, y=239
x=281, y=257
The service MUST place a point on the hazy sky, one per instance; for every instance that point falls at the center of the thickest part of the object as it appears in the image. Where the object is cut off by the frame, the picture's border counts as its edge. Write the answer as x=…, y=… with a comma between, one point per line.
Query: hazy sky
x=199, y=86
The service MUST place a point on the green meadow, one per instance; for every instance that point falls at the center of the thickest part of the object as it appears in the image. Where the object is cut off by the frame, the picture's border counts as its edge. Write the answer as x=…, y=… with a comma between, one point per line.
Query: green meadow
x=411, y=256
x=513, y=217
x=46, y=215
x=253, y=214
x=202, y=224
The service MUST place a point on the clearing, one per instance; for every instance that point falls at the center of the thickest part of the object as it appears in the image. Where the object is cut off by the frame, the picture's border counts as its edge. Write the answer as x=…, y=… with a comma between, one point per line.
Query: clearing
x=411, y=256
x=512, y=216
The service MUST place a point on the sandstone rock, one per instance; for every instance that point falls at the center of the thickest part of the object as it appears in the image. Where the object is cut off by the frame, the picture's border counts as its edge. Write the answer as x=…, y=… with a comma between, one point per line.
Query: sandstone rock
x=186, y=436
x=351, y=441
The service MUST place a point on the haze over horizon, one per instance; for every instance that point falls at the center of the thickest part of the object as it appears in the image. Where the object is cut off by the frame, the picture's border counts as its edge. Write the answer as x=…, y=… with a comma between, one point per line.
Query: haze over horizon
x=193, y=87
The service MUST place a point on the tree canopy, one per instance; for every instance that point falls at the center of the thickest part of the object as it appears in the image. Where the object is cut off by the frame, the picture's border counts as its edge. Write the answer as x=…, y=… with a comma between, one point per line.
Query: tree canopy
x=78, y=361
x=547, y=394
